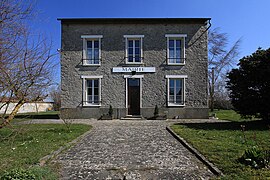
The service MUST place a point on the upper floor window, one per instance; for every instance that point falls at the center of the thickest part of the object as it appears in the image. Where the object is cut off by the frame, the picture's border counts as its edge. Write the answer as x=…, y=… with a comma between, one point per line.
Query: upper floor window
x=175, y=49
x=176, y=90
x=91, y=49
x=91, y=90
x=134, y=50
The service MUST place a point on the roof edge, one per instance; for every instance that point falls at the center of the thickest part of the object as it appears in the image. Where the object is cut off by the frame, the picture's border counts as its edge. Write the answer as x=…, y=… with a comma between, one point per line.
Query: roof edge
x=132, y=20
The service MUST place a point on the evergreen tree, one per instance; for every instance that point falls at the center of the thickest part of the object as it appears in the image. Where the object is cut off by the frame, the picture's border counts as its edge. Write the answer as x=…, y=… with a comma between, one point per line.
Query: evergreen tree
x=249, y=85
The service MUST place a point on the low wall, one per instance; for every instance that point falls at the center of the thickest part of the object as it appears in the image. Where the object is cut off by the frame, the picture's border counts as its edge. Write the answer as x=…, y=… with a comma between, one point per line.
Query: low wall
x=28, y=107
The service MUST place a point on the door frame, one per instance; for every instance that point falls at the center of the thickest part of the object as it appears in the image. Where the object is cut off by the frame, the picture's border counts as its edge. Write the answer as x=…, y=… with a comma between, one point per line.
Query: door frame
x=133, y=77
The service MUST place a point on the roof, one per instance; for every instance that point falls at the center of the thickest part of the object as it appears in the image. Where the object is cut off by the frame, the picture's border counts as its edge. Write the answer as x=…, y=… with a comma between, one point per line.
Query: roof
x=133, y=20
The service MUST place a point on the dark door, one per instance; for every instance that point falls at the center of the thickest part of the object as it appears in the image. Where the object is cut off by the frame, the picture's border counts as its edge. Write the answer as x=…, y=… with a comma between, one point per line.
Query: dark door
x=133, y=96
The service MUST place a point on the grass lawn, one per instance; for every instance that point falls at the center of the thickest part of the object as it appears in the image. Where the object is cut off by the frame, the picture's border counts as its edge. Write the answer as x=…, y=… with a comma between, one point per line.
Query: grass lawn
x=224, y=143
x=230, y=115
x=24, y=145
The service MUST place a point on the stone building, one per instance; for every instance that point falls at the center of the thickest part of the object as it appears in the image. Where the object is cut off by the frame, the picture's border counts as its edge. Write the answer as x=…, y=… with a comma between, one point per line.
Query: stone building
x=134, y=64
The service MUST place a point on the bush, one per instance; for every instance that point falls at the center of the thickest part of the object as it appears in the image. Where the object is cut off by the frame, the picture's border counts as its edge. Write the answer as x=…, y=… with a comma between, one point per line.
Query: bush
x=256, y=158
x=156, y=112
x=17, y=174
x=110, y=111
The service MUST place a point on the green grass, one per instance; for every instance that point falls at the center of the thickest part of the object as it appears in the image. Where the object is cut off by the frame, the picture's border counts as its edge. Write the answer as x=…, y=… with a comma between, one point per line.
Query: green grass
x=24, y=145
x=224, y=143
x=230, y=115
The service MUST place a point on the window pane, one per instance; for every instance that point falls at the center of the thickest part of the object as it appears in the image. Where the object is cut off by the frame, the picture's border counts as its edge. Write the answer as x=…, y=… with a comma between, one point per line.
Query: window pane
x=171, y=91
x=171, y=43
x=96, y=83
x=171, y=98
x=89, y=91
x=130, y=51
x=89, y=53
x=171, y=83
x=96, y=53
x=137, y=43
x=96, y=44
x=130, y=58
x=179, y=99
x=177, y=53
x=178, y=43
x=171, y=56
x=88, y=83
x=137, y=51
x=89, y=99
x=178, y=83
x=96, y=100
x=130, y=43
x=137, y=58
x=95, y=91
x=89, y=44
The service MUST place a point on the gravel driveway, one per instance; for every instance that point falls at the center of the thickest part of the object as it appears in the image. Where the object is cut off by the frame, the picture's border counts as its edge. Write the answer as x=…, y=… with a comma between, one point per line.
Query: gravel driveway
x=130, y=150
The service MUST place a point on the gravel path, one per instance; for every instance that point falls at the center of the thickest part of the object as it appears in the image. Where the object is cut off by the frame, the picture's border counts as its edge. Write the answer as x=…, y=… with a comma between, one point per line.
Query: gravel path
x=130, y=150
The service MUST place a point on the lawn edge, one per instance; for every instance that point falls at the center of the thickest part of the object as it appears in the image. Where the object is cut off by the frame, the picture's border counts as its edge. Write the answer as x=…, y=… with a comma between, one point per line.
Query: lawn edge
x=211, y=166
x=44, y=160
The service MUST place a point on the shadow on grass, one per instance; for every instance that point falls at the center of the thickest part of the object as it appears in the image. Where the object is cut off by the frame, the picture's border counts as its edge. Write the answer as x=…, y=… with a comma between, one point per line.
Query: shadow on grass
x=249, y=125
x=37, y=116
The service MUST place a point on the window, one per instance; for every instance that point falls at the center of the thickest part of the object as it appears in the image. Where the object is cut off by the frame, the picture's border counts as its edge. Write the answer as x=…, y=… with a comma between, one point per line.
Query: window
x=92, y=90
x=176, y=90
x=134, y=52
x=175, y=49
x=91, y=49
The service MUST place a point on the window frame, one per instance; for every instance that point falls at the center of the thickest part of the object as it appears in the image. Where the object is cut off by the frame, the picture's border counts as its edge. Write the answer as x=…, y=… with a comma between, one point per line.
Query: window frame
x=92, y=38
x=84, y=90
x=174, y=37
x=134, y=37
x=180, y=77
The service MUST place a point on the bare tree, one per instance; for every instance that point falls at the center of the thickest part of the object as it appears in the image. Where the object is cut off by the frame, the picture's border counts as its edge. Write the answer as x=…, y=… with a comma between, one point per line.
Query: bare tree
x=55, y=95
x=221, y=60
x=25, y=60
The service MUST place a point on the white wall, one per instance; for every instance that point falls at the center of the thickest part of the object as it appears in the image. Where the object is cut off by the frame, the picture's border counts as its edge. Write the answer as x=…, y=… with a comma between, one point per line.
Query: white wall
x=29, y=107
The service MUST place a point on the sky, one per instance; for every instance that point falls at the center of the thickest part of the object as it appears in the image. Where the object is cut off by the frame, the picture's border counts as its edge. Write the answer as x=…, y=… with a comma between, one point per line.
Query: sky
x=245, y=19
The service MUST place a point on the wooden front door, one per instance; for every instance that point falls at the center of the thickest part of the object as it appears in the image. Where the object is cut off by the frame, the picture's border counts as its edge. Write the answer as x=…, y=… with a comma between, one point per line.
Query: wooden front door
x=133, y=96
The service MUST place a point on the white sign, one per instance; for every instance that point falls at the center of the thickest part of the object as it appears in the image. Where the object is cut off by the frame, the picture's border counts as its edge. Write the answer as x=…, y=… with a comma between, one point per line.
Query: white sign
x=134, y=69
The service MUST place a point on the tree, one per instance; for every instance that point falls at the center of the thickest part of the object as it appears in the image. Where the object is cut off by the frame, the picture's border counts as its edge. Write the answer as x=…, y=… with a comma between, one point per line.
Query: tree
x=55, y=95
x=25, y=60
x=249, y=85
x=221, y=60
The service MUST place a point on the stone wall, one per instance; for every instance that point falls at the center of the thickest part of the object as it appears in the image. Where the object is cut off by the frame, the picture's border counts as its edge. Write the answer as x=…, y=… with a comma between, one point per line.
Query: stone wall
x=154, y=86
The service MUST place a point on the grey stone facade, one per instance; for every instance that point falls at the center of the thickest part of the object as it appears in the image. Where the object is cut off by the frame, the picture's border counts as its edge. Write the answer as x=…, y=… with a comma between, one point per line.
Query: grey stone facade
x=153, y=85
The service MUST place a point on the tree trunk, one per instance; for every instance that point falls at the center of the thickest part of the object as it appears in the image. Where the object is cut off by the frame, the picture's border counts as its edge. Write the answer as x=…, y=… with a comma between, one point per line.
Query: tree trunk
x=212, y=90
x=12, y=114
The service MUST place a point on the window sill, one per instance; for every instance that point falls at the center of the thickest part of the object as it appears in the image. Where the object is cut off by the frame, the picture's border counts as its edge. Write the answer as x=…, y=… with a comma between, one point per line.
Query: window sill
x=91, y=64
x=175, y=64
x=135, y=63
x=91, y=105
x=176, y=105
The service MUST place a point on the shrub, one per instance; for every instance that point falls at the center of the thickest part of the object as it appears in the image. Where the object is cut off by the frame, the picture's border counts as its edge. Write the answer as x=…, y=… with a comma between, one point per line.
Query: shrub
x=18, y=174
x=110, y=111
x=256, y=158
x=156, y=111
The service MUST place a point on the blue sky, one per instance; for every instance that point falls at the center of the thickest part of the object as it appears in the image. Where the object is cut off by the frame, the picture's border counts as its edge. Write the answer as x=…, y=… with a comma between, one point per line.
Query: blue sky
x=246, y=19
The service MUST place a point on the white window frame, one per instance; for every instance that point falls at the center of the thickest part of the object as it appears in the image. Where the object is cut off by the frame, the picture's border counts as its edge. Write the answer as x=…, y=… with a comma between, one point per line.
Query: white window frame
x=183, y=77
x=84, y=78
x=134, y=37
x=84, y=53
x=183, y=49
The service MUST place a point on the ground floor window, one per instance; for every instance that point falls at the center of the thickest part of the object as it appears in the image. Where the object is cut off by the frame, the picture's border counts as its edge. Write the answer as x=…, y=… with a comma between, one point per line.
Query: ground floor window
x=91, y=90
x=176, y=90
